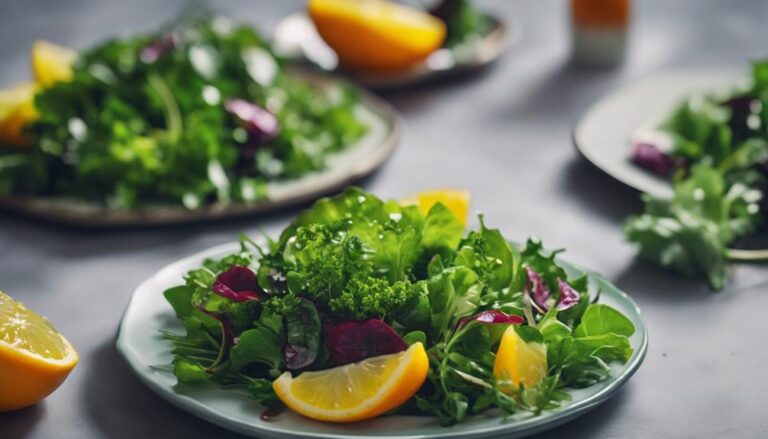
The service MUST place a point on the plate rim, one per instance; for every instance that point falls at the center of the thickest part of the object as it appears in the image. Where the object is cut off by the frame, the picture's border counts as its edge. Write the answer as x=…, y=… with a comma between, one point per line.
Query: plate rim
x=57, y=211
x=621, y=89
x=526, y=427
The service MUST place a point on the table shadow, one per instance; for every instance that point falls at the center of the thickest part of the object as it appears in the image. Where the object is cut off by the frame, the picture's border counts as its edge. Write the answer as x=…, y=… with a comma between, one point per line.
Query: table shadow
x=599, y=192
x=594, y=422
x=120, y=406
x=19, y=424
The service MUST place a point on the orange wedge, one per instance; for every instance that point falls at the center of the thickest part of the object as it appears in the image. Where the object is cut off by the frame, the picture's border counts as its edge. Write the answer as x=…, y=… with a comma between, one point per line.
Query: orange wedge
x=518, y=361
x=34, y=358
x=456, y=201
x=376, y=34
x=356, y=391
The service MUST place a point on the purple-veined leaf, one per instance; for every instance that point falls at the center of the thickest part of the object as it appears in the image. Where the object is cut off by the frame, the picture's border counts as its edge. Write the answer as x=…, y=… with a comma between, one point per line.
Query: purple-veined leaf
x=491, y=316
x=238, y=284
x=261, y=124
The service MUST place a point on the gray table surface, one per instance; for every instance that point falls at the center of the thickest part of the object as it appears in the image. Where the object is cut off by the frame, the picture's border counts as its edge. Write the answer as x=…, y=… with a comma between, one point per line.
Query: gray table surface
x=505, y=136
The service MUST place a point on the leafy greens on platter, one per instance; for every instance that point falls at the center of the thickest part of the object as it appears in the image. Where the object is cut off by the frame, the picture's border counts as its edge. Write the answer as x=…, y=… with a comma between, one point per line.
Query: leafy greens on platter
x=355, y=277
x=717, y=156
x=198, y=113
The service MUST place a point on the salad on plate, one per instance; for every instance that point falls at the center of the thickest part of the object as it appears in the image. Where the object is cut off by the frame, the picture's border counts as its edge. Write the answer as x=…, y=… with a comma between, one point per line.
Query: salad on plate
x=714, y=149
x=198, y=114
x=364, y=307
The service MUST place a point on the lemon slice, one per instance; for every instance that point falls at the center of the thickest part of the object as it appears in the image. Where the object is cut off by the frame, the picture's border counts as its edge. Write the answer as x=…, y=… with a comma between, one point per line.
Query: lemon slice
x=456, y=201
x=52, y=63
x=34, y=358
x=520, y=362
x=356, y=391
x=17, y=108
x=376, y=34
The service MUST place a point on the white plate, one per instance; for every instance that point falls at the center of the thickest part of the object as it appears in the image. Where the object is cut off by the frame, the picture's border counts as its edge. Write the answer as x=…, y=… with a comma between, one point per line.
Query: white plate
x=343, y=168
x=604, y=134
x=296, y=38
x=148, y=354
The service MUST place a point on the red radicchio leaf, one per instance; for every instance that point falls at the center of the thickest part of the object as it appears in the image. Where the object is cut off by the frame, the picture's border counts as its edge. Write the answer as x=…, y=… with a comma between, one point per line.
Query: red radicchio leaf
x=650, y=157
x=348, y=342
x=568, y=296
x=238, y=284
x=492, y=316
x=537, y=289
x=156, y=49
x=260, y=123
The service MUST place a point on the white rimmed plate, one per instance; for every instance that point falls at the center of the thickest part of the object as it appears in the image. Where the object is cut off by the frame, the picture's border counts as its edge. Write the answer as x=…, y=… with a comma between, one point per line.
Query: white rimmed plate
x=148, y=354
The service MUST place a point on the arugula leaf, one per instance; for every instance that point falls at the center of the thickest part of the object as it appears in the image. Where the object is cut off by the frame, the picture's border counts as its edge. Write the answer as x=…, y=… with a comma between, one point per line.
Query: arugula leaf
x=453, y=294
x=690, y=232
x=303, y=335
x=602, y=319
x=261, y=344
x=442, y=231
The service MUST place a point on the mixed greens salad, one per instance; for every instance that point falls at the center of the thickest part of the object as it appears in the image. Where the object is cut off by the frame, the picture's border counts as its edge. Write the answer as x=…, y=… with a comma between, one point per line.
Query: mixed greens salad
x=355, y=277
x=464, y=23
x=718, y=161
x=197, y=113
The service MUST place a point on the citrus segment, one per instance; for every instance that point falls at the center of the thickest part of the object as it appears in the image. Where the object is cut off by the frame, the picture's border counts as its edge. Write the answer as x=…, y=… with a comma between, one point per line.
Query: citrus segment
x=17, y=108
x=518, y=361
x=34, y=358
x=52, y=63
x=356, y=391
x=376, y=34
x=456, y=201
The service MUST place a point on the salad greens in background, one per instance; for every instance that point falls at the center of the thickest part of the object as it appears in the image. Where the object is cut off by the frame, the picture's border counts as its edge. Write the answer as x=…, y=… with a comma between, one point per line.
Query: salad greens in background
x=197, y=113
x=719, y=167
x=464, y=23
x=355, y=264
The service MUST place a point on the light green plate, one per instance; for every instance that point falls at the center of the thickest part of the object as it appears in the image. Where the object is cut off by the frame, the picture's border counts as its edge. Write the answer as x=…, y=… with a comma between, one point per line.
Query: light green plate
x=149, y=355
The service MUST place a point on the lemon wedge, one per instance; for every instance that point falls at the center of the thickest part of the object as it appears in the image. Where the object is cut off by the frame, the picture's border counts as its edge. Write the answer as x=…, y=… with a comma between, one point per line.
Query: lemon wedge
x=34, y=358
x=376, y=34
x=356, y=391
x=456, y=201
x=52, y=63
x=17, y=108
x=518, y=361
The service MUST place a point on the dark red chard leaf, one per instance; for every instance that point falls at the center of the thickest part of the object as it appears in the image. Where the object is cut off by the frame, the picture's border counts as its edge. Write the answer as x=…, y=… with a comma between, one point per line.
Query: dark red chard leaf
x=349, y=342
x=568, y=296
x=260, y=123
x=650, y=157
x=537, y=290
x=156, y=49
x=492, y=316
x=227, y=335
x=238, y=284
